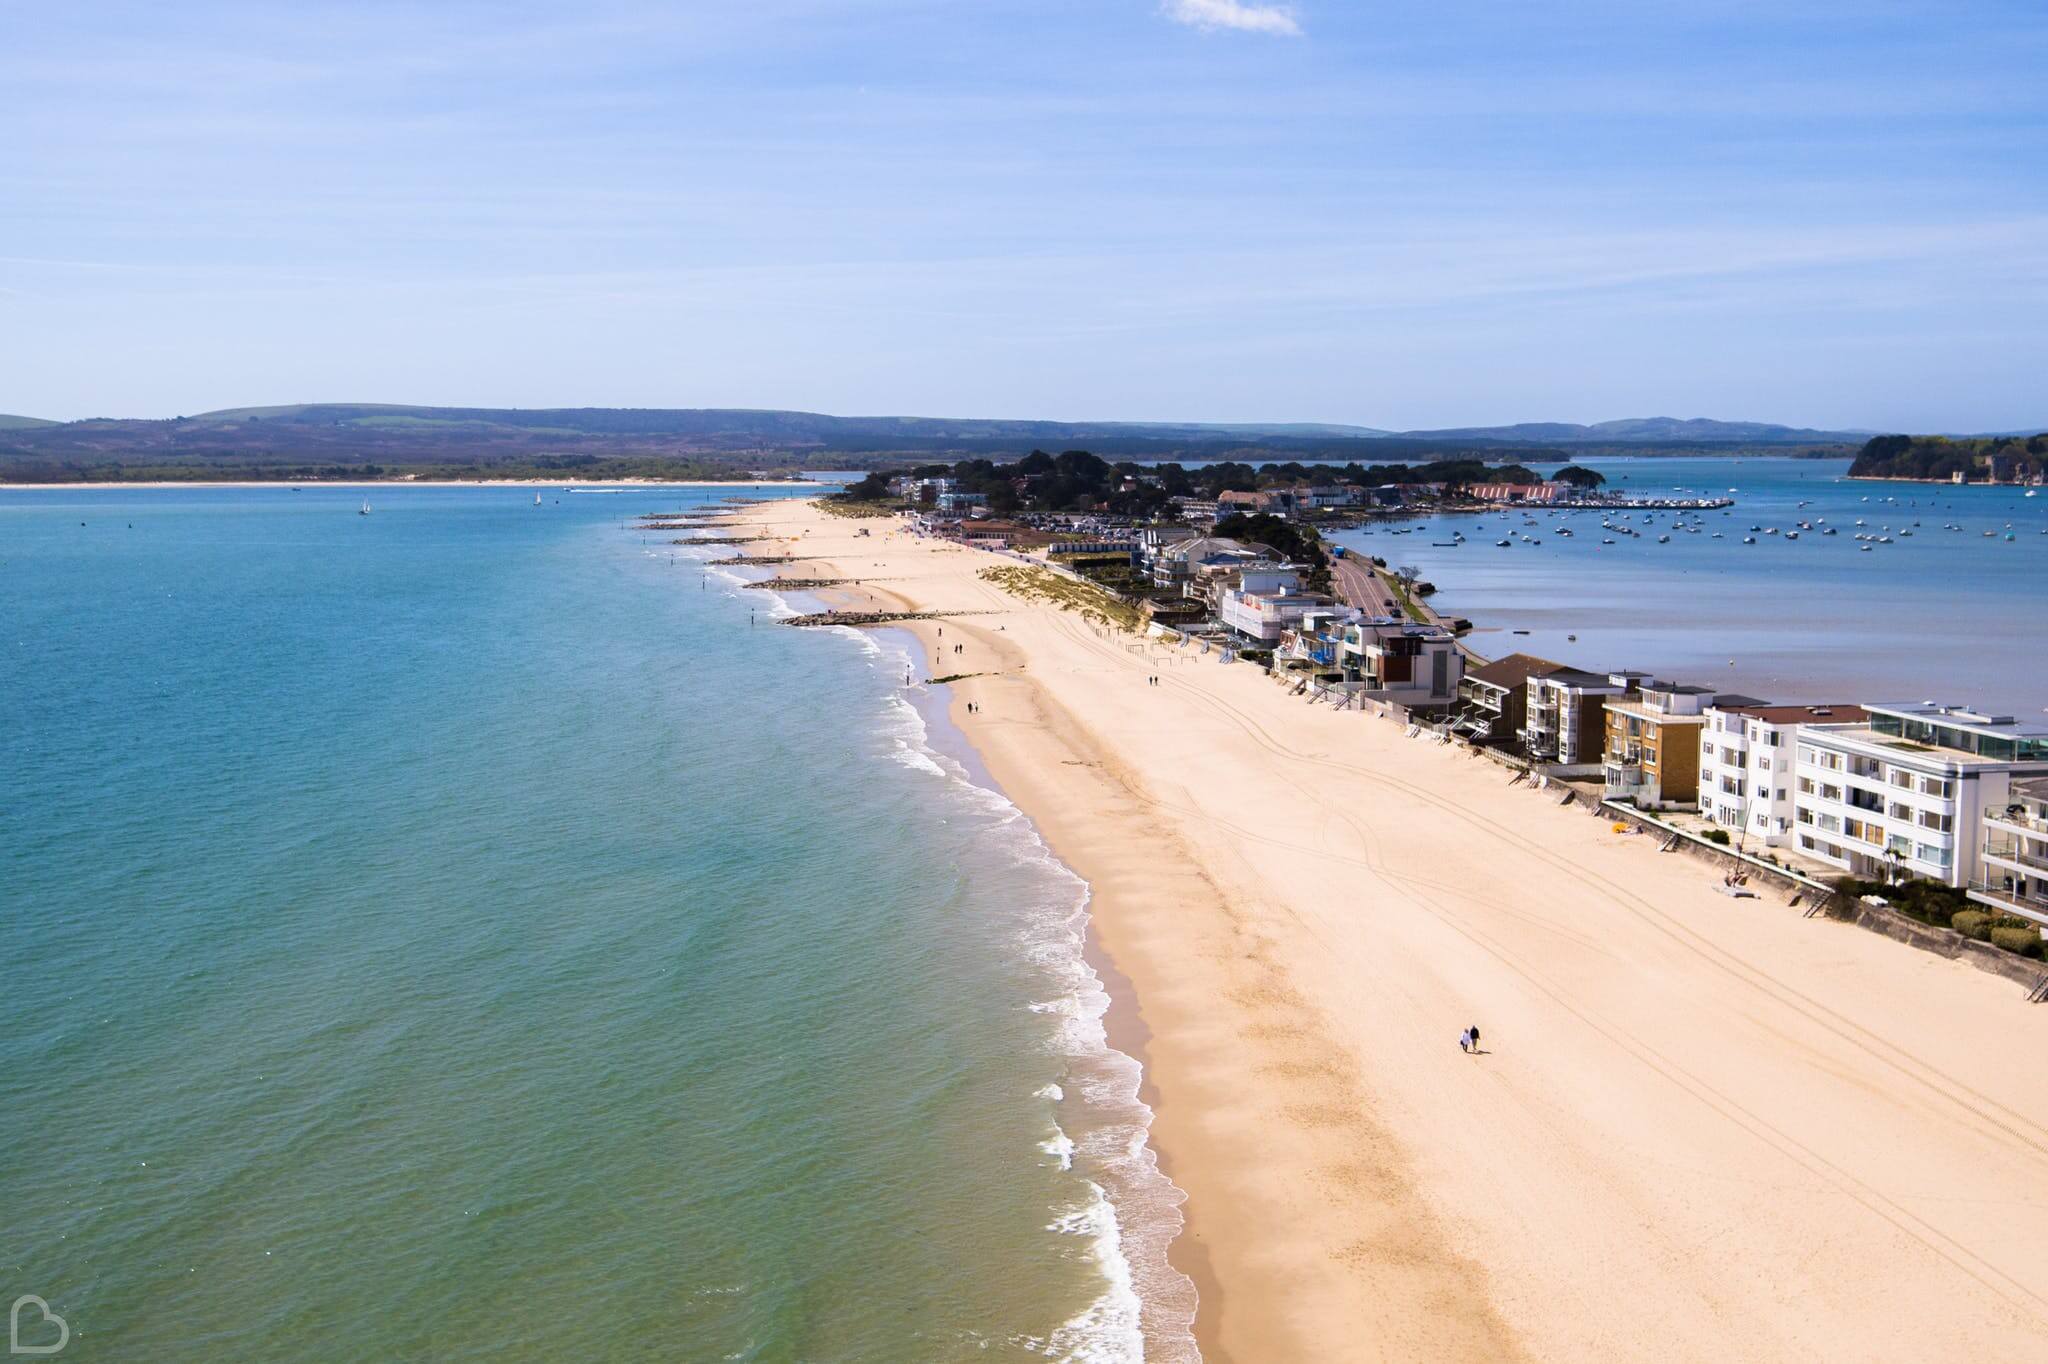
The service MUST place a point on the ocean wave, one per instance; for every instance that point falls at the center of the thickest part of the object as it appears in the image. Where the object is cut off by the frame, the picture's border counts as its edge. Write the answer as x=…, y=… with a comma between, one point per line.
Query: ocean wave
x=1146, y=1308
x=1060, y=1146
x=917, y=761
x=1109, y=1330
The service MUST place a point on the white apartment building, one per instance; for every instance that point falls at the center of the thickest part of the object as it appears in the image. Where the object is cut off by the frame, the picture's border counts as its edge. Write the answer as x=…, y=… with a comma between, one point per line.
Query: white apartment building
x=1747, y=755
x=2014, y=854
x=1905, y=793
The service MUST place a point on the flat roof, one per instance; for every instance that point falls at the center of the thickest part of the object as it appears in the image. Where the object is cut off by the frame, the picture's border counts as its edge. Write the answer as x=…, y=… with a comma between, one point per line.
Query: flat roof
x=1643, y=712
x=1578, y=677
x=1961, y=717
x=1908, y=749
x=1795, y=715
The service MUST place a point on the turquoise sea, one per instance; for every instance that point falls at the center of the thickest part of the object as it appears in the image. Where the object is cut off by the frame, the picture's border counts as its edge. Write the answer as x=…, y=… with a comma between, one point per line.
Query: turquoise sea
x=1949, y=615
x=475, y=931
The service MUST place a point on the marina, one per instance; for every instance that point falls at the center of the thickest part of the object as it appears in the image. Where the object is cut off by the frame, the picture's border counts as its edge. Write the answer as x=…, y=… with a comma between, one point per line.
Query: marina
x=1807, y=582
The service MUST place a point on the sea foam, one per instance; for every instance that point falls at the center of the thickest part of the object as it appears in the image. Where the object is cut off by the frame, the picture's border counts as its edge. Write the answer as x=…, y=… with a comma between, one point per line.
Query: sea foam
x=1131, y=1212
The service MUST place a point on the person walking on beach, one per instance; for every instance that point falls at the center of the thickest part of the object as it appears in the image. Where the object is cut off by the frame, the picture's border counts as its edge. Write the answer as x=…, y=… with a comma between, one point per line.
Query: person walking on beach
x=1465, y=1041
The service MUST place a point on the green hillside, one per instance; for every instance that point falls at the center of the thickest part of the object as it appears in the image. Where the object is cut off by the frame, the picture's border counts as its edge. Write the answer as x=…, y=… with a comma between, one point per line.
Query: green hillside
x=1994, y=459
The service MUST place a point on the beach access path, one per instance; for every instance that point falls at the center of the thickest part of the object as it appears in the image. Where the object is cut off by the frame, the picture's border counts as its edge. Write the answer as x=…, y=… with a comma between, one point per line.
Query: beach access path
x=1700, y=1128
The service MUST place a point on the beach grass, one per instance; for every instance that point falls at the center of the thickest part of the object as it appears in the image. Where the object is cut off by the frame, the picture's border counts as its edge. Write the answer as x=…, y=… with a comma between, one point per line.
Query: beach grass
x=1044, y=585
x=856, y=511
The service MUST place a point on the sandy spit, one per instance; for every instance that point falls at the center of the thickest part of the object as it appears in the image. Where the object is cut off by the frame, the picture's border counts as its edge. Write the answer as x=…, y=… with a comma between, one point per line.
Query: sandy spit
x=1701, y=1128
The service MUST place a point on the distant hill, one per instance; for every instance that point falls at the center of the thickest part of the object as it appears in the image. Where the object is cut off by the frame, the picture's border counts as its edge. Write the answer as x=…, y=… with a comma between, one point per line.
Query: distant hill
x=1656, y=430
x=1994, y=459
x=9, y=422
x=315, y=440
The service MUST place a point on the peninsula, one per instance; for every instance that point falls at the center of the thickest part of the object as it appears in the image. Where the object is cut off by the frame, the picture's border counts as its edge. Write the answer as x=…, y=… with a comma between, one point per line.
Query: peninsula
x=1699, y=1126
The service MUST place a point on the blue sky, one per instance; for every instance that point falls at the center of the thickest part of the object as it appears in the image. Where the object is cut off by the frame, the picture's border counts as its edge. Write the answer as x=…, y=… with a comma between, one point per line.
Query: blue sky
x=1396, y=214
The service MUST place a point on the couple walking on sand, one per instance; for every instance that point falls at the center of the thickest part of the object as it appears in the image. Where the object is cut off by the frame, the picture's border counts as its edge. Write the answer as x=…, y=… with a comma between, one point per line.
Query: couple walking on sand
x=1468, y=1040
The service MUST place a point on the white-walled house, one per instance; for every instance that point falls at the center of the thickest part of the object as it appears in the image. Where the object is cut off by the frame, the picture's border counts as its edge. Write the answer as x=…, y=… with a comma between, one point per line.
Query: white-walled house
x=1905, y=793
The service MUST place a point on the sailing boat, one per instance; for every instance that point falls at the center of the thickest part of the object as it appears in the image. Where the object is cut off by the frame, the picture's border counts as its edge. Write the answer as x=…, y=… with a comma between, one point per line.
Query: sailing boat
x=366, y=508
x=536, y=499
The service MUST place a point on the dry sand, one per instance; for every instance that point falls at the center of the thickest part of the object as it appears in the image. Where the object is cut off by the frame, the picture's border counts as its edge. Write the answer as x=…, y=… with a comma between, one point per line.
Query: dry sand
x=1702, y=1128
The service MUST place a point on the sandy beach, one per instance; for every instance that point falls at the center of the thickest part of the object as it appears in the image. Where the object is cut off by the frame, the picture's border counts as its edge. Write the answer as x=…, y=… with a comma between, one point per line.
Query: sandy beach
x=1701, y=1128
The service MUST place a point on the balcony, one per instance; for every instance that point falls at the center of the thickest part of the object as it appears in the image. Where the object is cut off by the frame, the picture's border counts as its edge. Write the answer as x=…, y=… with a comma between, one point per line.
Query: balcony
x=2007, y=900
x=2014, y=852
x=2020, y=821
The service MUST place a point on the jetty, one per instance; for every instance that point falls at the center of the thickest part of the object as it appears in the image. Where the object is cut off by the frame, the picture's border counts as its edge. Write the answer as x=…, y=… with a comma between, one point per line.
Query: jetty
x=726, y=540
x=1610, y=504
x=754, y=560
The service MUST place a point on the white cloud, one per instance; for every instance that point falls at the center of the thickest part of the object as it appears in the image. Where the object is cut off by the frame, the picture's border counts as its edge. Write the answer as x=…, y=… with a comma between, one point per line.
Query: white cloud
x=1235, y=14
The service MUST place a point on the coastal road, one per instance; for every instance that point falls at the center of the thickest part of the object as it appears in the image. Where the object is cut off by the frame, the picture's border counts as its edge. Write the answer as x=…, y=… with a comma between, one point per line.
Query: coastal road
x=1357, y=585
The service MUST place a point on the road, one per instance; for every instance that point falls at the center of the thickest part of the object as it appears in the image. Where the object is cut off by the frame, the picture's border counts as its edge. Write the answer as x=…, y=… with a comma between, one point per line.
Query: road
x=1357, y=585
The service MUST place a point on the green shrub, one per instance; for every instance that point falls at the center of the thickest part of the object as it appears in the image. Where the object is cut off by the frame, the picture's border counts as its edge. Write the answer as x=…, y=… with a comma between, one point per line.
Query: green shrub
x=1719, y=836
x=1971, y=923
x=2025, y=941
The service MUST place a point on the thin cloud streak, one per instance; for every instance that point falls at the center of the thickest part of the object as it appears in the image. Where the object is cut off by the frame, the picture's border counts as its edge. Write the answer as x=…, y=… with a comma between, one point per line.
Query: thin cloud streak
x=1211, y=15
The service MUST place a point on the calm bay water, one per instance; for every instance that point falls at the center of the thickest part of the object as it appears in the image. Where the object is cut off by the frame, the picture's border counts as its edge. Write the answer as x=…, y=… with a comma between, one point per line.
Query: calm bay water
x=457, y=933
x=1937, y=614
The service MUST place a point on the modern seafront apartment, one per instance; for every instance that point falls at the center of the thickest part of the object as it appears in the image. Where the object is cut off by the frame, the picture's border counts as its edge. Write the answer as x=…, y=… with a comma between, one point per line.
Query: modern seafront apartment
x=1652, y=755
x=1493, y=699
x=2014, y=879
x=1906, y=791
x=1564, y=724
x=1747, y=753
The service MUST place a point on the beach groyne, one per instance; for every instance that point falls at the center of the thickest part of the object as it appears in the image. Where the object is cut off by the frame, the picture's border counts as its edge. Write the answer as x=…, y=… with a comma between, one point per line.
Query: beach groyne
x=818, y=618
x=801, y=584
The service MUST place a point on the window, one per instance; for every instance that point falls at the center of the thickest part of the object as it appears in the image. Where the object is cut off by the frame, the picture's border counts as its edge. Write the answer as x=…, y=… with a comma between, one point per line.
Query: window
x=1806, y=786
x=1933, y=856
x=1935, y=786
x=1899, y=776
x=1940, y=823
